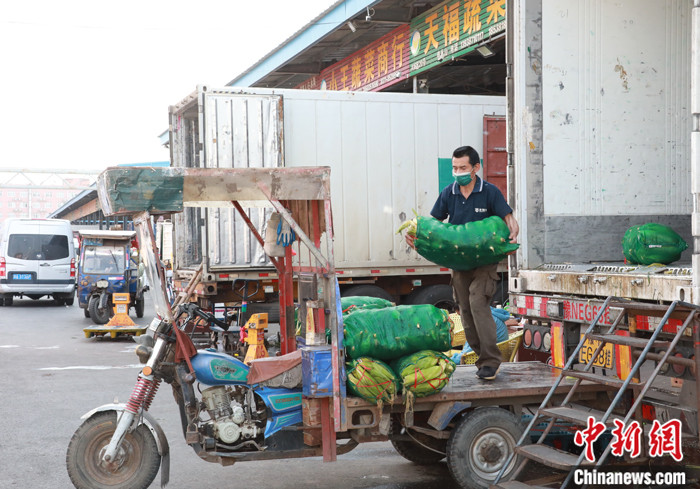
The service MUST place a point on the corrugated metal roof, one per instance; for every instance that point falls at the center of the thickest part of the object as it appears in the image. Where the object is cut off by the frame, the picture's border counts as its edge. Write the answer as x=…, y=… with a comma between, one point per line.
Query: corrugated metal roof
x=326, y=22
x=328, y=39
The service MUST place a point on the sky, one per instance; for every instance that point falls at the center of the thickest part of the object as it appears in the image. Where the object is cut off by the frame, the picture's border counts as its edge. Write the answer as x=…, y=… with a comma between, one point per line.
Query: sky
x=87, y=84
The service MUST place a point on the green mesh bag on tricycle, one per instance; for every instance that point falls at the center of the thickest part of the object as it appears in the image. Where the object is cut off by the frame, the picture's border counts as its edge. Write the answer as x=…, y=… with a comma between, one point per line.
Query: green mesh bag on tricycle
x=423, y=373
x=392, y=332
x=372, y=380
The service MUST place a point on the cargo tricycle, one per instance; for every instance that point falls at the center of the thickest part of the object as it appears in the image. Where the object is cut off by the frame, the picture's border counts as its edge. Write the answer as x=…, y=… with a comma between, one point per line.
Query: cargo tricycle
x=294, y=405
x=109, y=264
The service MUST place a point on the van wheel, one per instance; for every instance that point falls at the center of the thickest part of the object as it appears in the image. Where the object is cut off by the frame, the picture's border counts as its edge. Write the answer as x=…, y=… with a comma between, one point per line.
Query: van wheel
x=439, y=295
x=368, y=291
x=8, y=300
x=99, y=316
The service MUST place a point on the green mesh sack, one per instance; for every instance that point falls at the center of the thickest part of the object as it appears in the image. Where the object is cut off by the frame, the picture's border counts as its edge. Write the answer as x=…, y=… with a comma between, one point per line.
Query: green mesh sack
x=463, y=246
x=392, y=332
x=372, y=380
x=423, y=373
x=652, y=243
x=357, y=302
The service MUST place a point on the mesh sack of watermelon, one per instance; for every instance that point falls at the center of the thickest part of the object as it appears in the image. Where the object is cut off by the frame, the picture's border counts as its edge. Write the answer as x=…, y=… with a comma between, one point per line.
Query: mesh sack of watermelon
x=355, y=303
x=461, y=246
x=652, y=243
x=423, y=373
x=372, y=380
x=393, y=332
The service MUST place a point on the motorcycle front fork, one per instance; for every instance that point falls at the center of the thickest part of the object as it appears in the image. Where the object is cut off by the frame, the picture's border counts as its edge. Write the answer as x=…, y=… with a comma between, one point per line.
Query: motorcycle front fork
x=140, y=400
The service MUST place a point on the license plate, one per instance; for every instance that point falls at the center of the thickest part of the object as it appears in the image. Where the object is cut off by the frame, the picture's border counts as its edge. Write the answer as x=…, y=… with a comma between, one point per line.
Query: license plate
x=21, y=276
x=605, y=357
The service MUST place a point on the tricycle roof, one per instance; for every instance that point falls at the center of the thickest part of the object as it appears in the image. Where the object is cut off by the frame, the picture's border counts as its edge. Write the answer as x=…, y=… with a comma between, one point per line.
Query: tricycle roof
x=105, y=234
x=165, y=190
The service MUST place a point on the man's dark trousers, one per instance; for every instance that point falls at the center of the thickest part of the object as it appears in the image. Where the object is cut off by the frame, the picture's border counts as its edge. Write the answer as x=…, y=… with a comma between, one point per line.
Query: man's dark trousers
x=473, y=290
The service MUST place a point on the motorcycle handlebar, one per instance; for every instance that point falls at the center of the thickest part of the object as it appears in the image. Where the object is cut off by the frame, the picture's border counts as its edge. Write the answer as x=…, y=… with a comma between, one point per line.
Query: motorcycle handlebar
x=193, y=309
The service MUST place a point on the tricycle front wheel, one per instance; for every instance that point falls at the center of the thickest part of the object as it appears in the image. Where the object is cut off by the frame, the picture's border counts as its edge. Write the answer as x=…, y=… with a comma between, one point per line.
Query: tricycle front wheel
x=99, y=316
x=136, y=464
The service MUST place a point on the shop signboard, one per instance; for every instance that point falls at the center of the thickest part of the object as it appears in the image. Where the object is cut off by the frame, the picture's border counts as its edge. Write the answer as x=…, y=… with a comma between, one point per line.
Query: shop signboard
x=373, y=68
x=452, y=29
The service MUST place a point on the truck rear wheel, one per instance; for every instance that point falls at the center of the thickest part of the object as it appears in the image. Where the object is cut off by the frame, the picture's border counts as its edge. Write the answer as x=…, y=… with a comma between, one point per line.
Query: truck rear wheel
x=367, y=290
x=480, y=445
x=439, y=295
x=500, y=298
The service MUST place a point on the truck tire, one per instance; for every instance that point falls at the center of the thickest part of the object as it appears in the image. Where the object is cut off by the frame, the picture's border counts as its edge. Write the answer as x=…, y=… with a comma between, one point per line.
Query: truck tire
x=271, y=308
x=480, y=446
x=367, y=290
x=500, y=298
x=439, y=295
x=99, y=316
x=139, y=306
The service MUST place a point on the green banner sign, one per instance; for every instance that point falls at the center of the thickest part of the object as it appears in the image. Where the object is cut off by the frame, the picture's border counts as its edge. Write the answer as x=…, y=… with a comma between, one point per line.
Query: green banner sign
x=453, y=29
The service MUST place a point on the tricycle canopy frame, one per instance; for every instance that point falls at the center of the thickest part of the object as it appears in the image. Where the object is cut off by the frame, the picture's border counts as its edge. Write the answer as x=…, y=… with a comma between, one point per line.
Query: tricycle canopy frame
x=302, y=198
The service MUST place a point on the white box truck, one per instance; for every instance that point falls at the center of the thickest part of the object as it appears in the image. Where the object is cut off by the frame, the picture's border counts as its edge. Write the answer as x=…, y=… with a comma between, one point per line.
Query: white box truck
x=605, y=121
x=384, y=151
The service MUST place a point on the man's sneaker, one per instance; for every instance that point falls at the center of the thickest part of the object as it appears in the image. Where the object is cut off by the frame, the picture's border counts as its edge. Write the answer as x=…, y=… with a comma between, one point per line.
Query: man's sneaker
x=487, y=373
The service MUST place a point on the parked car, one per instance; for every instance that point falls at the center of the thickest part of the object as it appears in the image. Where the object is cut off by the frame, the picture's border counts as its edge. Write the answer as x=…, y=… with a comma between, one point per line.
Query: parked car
x=37, y=259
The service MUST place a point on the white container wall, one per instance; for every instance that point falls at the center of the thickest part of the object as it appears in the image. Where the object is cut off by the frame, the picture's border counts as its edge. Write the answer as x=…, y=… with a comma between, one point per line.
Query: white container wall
x=383, y=150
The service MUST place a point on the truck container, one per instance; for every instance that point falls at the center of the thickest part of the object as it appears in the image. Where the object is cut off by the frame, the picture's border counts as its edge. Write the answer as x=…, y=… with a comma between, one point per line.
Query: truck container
x=389, y=154
x=601, y=141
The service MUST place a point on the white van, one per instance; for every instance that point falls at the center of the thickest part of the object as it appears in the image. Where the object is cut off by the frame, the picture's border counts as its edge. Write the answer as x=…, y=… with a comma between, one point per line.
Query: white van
x=37, y=258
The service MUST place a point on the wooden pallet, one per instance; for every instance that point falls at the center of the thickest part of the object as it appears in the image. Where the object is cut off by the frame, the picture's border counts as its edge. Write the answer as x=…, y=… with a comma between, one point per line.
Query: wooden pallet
x=114, y=331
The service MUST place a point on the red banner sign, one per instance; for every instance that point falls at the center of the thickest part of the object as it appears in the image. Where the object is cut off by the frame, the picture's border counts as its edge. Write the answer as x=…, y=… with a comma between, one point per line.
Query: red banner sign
x=371, y=69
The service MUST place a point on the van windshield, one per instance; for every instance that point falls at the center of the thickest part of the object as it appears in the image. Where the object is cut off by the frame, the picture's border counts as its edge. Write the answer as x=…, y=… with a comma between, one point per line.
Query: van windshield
x=38, y=246
x=104, y=259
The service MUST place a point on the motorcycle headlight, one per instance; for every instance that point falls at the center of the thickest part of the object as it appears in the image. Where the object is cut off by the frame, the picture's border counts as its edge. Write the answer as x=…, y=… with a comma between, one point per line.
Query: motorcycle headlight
x=103, y=284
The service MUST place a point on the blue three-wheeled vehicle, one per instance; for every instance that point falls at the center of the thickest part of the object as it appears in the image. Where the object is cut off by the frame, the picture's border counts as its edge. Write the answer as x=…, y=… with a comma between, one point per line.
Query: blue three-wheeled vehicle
x=108, y=264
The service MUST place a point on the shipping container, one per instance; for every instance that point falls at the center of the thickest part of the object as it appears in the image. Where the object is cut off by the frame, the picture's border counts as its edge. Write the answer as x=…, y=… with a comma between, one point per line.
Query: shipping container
x=389, y=154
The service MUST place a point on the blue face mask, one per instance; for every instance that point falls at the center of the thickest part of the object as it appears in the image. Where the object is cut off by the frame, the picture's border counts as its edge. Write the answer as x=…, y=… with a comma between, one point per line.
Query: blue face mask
x=462, y=179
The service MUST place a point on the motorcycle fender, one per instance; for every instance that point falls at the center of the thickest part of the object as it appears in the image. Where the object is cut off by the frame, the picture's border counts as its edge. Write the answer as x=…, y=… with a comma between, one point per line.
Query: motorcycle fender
x=151, y=424
x=104, y=297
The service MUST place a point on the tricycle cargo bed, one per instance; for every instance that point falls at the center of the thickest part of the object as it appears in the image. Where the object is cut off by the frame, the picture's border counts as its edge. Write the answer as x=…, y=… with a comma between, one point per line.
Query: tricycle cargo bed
x=517, y=383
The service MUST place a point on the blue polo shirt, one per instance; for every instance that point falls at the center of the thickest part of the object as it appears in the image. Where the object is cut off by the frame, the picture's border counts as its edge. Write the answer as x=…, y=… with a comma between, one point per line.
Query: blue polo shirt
x=484, y=201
